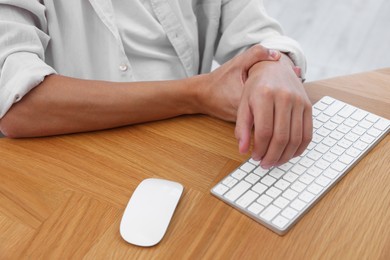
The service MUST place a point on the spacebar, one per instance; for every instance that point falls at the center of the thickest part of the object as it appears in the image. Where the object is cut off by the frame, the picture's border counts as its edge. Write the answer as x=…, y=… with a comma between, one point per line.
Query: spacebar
x=237, y=190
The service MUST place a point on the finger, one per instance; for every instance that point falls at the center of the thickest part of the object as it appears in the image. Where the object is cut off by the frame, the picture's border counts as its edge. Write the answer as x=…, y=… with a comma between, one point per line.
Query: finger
x=307, y=129
x=296, y=134
x=259, y=53
x=263, y=112
x=244, y=125
x=281, y=133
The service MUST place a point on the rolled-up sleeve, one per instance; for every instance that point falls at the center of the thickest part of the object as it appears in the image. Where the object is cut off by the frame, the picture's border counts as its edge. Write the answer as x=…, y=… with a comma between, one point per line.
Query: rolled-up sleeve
x=23, y=41
x=250, y=26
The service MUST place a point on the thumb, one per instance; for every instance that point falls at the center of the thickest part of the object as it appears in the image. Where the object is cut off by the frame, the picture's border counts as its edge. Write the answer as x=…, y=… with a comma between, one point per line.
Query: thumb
x=259, y=53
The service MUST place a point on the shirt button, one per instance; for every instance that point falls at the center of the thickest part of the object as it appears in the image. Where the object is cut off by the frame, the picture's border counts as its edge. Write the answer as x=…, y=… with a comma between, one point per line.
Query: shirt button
x=123, y=67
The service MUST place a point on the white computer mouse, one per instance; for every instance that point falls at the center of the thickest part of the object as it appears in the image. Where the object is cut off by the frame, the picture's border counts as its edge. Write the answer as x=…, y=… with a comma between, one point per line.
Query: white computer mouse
x=149, y=211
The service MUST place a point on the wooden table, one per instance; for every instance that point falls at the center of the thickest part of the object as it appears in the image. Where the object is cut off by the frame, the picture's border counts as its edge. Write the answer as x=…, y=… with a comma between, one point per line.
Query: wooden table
x=63, y=197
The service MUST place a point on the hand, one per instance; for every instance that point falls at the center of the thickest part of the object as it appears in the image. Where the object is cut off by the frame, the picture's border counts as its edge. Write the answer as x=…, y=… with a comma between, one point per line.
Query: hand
x=275, y=103
x=221, y=95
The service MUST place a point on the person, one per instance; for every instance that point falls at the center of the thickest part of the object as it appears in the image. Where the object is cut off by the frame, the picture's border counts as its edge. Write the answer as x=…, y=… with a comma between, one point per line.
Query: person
x=74, y=66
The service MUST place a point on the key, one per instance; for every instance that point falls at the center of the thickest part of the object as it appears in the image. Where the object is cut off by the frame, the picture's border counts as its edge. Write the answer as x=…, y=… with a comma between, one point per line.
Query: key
x=280, y=221
x=238, y=174
x=315, y=188
x=359, y=115
x=345, y=158
x=277, y=173
x=259, y=188
x=247, y=167
x=281, y=202
x=282, y=184
x=374, y=132
x=264, y=200
x=382, y=124
x=255, y=208
x=247, y=199
x=268, y=180
x=306, y=196
x=220, y=189
x=290, y=194
x=306, y=178
x=229, y=181
x=298, y=204
x=323, y=181
x=273, y=192
x=331, y=173
x=237, y=191
x=334, y=108
x=252, y=178
x=347, y=111
x=270, y=212
x=289, y=213
x=290, y=177
x=338, y=166
x=260, y=171
x=298, y=186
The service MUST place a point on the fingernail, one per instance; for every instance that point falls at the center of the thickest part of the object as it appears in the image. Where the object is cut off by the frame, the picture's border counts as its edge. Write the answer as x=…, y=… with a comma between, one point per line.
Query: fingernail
x=274, y=54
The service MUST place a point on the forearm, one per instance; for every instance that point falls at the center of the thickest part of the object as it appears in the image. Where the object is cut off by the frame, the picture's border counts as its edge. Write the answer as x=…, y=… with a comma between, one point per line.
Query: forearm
x=61, y=105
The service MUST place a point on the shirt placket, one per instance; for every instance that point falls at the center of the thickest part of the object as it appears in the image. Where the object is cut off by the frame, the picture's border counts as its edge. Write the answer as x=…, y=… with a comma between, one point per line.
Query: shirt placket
x=105, y=11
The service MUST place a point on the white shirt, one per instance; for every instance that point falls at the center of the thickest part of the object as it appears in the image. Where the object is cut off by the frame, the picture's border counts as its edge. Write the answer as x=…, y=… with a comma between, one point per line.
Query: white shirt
x=86, y=39
x=146, y=42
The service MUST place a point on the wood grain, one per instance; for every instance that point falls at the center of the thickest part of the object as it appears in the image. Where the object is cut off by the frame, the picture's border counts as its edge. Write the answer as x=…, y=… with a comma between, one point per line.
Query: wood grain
x=63, y=197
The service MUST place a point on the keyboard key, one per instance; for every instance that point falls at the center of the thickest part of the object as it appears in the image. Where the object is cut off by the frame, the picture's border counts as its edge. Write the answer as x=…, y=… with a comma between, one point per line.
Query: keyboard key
x=238, y=174
x=314, y=171
x=365, y=124
x=290, y=194
x=230, y=181
x=273, y=192
x=257, y=163
x=277, y=173
x=270, y=212
x=345, y=158
x=338, y=166
x=280, y=221
x=323, y=181
x=290, y=177
x=327, y=100
x=315, y=188
x=306, y=196
x=372, y=118
x=247, y=198
x=360, y=145
x=285, y=167
x=259, y=188
x=347, y=111
x=334, y=108
x=220, y=189
x=367, y=138
x=298, y=186
x=281, y=202
x=336, y=135
x=382, y=124
x=350, y=122
x=268, y=180
x=329, y=141
x=322, y=164
x=289, y=213
x=359, y=115
x=282, y=184
x=344, y=143
x=298, y=204
x=247, y=167
x=330, y=173
x=314, y=155
x=252, y=178
x=237, y=190
x=255, y=208
x=337, y=150
x=330, y=157
x=358, y=130
x=337, y=119
x=264, y=200
x=260, y=171
x=298, y=169
x=351, y=137
x=353, y=152
x=306, y=179
x=374, y=132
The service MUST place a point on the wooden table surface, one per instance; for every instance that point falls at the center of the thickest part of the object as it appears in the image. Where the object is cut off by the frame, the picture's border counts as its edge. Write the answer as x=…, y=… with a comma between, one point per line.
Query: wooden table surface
x=63, y=197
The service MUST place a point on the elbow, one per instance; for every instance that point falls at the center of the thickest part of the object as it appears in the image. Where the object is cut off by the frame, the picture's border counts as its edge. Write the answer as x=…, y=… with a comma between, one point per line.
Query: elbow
x=8, y=127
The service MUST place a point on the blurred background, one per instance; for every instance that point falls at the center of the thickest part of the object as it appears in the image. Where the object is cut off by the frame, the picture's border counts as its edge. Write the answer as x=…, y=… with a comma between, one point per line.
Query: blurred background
x=338, y=37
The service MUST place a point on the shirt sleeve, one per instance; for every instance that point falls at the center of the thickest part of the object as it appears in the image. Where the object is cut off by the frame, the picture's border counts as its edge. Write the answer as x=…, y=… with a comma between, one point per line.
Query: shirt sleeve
x=23, y=41
x=245, y=23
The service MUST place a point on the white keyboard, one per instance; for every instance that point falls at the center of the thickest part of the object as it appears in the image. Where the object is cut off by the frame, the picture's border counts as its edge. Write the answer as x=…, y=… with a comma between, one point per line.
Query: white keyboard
x=280, y=196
